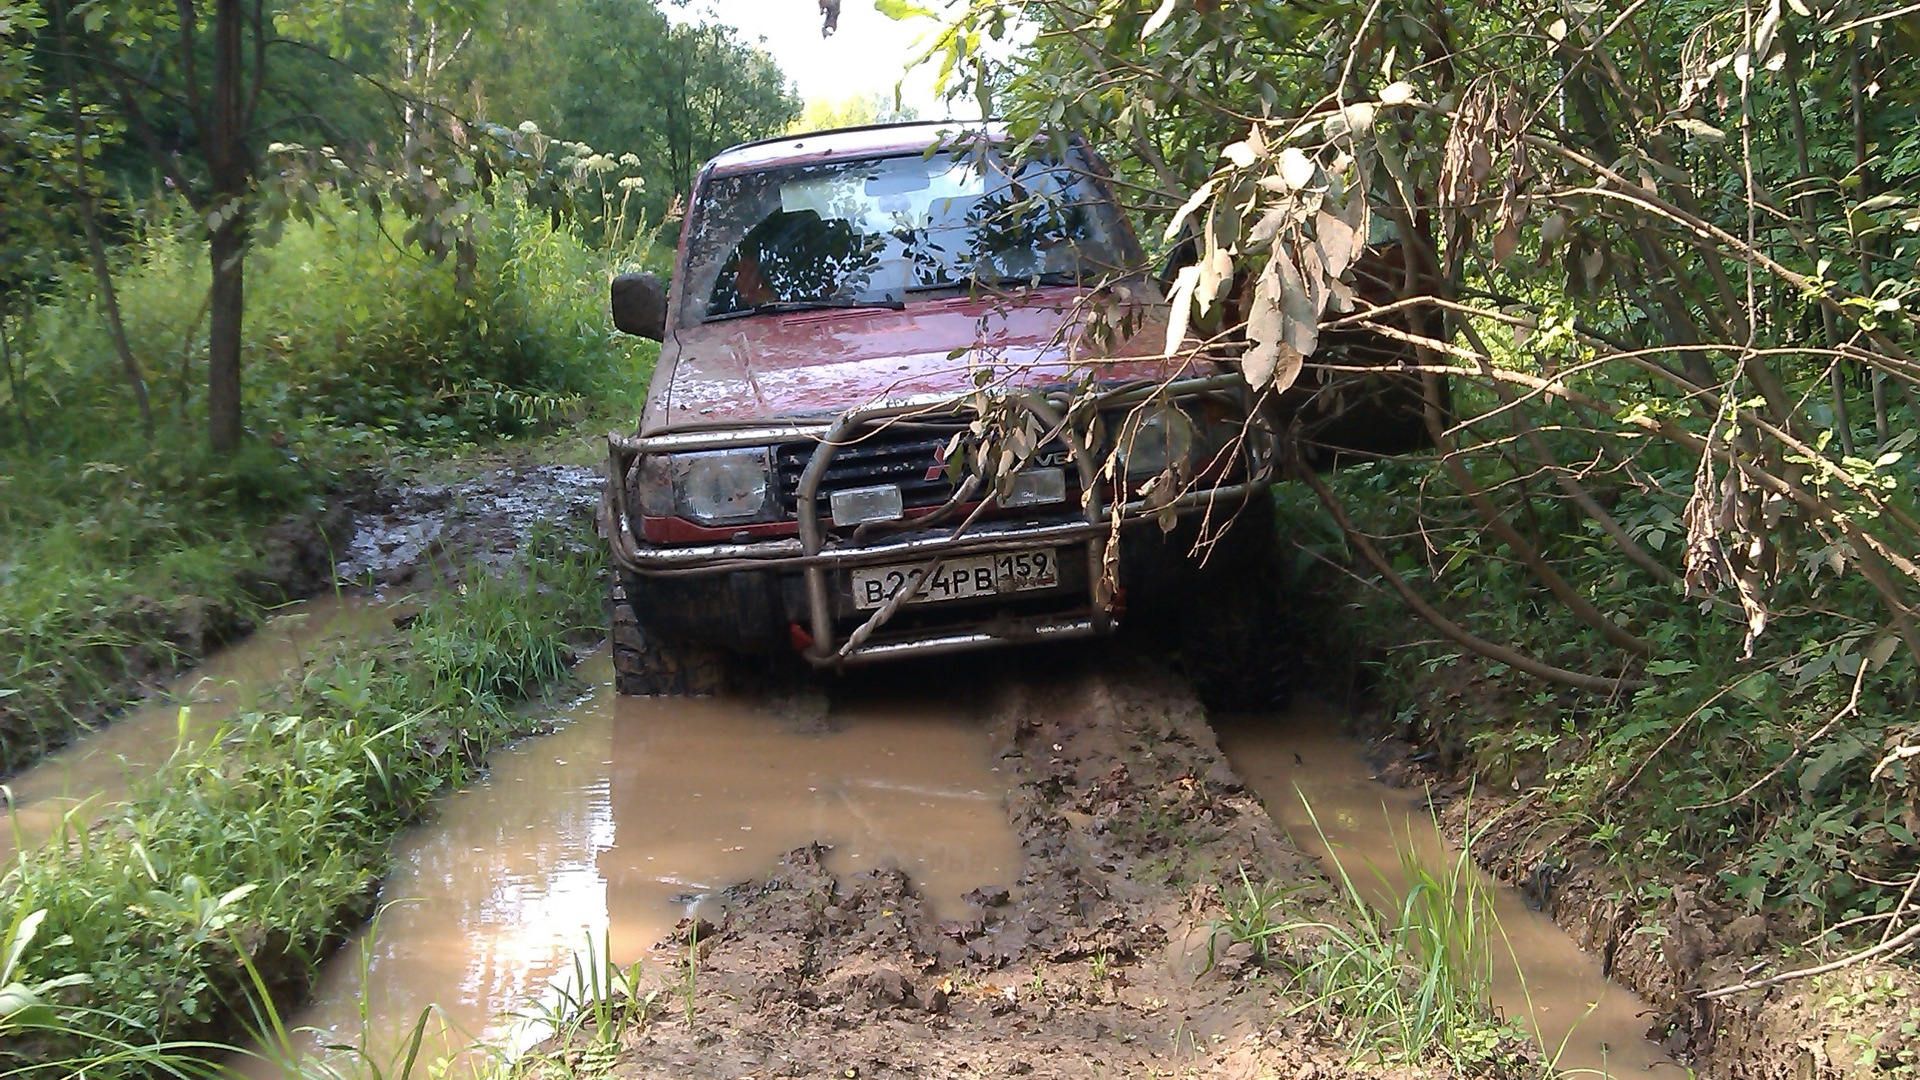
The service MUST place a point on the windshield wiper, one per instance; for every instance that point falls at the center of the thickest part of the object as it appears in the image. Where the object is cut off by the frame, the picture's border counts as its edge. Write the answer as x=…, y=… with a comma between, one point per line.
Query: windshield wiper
x=1002, y=281
x=775, y=307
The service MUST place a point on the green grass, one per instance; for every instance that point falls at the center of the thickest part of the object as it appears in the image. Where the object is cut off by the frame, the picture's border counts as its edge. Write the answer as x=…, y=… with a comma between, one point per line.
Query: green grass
x=357, y=352
x=111, y=573
x=1399, y=984
x=251, y=847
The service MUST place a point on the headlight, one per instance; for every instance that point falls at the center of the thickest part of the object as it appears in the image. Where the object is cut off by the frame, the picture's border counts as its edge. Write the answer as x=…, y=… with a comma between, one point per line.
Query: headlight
x=716, y=487
x=1152, y=439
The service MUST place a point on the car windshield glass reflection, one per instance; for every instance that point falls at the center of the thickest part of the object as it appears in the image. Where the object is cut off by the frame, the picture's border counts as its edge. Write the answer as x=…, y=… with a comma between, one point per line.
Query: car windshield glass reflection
x=873, y=231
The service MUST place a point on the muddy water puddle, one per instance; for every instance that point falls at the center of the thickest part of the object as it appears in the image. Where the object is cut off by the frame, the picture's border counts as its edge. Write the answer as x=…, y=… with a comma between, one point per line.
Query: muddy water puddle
x=1299, y=759
x=635, y=813
x=100, y=769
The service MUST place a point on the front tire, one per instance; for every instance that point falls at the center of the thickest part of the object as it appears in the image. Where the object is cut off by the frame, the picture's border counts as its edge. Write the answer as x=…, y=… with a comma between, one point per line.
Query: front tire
x=646, y=665
x=1225, y=623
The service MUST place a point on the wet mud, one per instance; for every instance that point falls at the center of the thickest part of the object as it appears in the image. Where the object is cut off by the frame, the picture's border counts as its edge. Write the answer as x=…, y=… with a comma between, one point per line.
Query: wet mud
x=412, y=532
x=636, y=813
x=1100, y=959
x=1020, y=877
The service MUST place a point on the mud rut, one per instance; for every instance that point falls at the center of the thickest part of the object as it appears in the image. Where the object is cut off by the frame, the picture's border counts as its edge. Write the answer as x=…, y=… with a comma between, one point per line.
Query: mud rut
x=1096, y=957
x=1090, y=953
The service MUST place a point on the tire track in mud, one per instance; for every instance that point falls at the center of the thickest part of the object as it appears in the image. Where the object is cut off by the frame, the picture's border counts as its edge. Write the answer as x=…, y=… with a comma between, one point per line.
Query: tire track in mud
x=1100, y=960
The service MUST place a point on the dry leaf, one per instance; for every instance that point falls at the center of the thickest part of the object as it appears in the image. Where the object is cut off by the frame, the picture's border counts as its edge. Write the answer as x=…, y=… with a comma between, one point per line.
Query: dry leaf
x=1341, y=295
x=1269, y=360
x=1505, y=241
x=1194, y=202
x=1301, y=328
x=1216, y=273
x=1269, y=225
x=1335, y=238
x=1181, y=307
x=1591, y=264
x=1158, y=18
x=1296, y=169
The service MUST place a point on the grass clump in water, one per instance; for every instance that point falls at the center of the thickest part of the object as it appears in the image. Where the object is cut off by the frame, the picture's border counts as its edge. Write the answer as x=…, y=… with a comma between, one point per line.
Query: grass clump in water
x=1397, y=981
x=255, y=847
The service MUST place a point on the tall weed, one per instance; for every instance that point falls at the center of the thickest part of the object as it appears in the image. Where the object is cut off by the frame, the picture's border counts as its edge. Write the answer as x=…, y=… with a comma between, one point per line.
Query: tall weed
x=1401, y=980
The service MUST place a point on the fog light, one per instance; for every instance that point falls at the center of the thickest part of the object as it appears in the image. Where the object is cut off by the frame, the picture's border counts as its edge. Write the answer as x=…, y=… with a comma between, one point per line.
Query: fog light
x=857, y=506
x=1035, y=487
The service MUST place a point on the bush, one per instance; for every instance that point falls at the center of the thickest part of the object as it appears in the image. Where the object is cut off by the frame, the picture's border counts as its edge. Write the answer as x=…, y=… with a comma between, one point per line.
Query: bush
x=344, y=328
x=1752, y=773
x=355, y=347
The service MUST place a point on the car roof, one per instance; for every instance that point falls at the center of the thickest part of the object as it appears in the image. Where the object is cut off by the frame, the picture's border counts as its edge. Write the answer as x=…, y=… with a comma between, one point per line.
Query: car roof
x=872, y=140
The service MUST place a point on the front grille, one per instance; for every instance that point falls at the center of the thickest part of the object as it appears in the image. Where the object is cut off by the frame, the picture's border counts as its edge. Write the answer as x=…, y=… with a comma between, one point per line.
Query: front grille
x=883, y=457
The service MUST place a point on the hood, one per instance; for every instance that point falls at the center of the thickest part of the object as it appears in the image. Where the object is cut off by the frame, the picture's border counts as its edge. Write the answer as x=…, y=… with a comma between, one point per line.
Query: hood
x=815, y=363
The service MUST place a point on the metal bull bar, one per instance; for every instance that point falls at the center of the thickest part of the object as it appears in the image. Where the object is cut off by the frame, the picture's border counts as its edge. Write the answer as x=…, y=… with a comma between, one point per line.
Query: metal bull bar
x=809, y=554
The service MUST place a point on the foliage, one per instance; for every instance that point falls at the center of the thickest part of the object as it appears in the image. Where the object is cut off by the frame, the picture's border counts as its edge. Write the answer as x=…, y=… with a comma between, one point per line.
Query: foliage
x=823, y=114
x=249, y=846
x=384, y=103
x=620, y=75
x=1653, y=268
x=110, y=544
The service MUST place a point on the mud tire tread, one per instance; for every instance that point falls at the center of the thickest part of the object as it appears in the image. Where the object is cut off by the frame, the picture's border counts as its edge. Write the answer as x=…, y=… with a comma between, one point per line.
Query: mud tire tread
x=644, y=665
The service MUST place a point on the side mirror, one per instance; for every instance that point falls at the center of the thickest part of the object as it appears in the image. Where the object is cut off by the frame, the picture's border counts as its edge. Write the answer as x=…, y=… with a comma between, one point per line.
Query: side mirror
x=640, y=305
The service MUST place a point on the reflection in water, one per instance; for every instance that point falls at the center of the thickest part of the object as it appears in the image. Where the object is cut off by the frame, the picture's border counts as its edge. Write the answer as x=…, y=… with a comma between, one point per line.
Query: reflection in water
x=1540, y=976
x=610, y=829
x=101, y=768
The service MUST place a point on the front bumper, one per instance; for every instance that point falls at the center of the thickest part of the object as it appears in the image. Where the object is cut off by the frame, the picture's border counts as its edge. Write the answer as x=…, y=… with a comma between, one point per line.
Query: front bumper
x=802, y=577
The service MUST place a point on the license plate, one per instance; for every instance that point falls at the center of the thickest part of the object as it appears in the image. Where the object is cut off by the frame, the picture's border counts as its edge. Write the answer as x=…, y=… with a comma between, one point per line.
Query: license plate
x=958, y=579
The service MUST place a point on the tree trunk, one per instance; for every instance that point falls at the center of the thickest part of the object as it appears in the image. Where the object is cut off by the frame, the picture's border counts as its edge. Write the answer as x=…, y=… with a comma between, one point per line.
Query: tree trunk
x=110, y=307
x=230, y=167
x=228, y=249
x=13, y=384
x=88, y=208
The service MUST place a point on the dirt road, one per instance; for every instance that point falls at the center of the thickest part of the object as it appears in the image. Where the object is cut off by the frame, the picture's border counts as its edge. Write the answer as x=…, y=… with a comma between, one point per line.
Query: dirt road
x=1100, y=957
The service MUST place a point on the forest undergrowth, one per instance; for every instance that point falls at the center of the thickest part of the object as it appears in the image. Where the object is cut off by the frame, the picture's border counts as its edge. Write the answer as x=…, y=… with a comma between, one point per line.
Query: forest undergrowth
x=125, y=558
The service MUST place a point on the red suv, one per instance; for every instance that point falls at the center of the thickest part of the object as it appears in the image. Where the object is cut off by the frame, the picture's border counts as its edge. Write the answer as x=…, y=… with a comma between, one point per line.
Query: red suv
x=912, y=398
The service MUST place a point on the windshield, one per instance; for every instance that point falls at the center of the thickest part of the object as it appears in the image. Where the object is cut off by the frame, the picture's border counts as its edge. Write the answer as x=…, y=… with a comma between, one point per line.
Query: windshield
x=872, y=231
